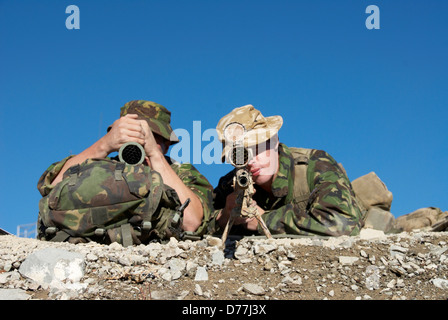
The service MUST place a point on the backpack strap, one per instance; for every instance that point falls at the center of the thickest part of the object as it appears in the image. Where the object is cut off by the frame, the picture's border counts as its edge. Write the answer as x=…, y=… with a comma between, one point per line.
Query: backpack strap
x=301, y=189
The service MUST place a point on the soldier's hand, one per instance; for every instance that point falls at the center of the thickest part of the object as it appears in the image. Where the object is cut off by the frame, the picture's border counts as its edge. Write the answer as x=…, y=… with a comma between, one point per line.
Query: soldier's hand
x=252, y=224
x=150, y=145
x=249, y=223
x=124, y=129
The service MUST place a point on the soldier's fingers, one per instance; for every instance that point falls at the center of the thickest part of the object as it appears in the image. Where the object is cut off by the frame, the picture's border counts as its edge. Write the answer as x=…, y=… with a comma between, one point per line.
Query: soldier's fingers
x=133, y=133
x=144, y=125
x=131, y=116
x=133, y=139
x=133, y=127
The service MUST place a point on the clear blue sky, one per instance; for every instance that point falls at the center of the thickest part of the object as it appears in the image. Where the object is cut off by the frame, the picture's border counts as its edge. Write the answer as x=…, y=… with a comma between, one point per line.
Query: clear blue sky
x=374, y=99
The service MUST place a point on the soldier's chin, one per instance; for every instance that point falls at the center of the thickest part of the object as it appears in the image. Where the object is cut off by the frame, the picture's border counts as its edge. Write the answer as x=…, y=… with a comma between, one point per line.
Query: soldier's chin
x=262, y=179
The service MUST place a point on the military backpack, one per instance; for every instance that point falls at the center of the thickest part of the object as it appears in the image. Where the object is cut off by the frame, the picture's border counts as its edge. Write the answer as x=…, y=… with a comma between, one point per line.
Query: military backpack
x=108, y=201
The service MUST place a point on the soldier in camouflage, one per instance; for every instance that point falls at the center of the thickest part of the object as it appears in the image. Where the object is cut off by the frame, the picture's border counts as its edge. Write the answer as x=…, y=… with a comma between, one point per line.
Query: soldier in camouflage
x=298, y=191
x=148, y=124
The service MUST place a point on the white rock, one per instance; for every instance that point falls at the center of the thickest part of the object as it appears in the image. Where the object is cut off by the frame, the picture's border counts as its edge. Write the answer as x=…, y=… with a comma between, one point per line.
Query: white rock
x=345, y=260
x=371, y=234
x=440, y=283
x=253, y=288
x=241, y=252
x=54, y=267
x=198, y=290
x=13, y=294
x=218, y=257
x=201, y=274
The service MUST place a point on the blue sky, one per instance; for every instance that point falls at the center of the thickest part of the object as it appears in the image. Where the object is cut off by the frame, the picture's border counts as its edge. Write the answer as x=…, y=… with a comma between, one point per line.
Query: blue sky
x=376, y=100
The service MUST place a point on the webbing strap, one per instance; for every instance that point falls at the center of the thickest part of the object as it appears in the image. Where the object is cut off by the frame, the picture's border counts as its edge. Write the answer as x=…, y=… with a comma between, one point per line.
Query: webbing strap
x=73, y=171
x=119, y=171
x=301, y=188
x=126, y=235
x=60, y=236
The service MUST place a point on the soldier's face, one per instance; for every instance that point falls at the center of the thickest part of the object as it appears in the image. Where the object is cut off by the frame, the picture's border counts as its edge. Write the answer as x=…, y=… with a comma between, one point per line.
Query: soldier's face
x=264, y=163
x=162, y=143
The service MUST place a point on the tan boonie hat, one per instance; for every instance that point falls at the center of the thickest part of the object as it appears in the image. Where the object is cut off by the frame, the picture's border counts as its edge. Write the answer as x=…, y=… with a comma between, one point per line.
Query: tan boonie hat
x=257, y=128
x=157, y=116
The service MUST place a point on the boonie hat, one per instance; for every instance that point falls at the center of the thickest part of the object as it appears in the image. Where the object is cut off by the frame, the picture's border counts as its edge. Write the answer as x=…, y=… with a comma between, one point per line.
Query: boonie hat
x=157, y=116
x=257, y=128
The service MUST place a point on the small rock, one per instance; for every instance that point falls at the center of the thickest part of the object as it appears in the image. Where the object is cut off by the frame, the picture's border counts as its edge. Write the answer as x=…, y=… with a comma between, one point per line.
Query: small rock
x=345, y=260
x=13, y=294
x=440, y=283
x=91, y=257
x=262, y=249
x=372, y=278
x=253, y=288
x=218, y=258
x=241, y=252
x=395, y=250
x=198, y=290
x=201, y=274
x=371, y=234
x=214, y=241
x=391, y=284
x=354, y=287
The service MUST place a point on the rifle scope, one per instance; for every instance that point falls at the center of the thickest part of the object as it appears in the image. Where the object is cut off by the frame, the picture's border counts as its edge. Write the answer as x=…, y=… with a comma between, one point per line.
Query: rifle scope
x=131, y=153
x=239, y=156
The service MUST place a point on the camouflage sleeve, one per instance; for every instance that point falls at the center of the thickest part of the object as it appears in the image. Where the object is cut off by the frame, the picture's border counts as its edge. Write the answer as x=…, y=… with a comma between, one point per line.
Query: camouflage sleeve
x=332, y=208
x=44, y=184
x=194, y=180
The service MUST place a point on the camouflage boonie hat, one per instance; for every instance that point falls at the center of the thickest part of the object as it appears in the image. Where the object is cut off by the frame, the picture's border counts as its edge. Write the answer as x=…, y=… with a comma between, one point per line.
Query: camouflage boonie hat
x=257, y=128
x=157, y=116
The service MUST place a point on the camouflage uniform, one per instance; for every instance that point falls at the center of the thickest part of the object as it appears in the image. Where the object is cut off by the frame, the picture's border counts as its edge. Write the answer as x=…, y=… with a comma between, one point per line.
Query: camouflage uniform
x=331, y=209
x=138, y=178
x=189, y=175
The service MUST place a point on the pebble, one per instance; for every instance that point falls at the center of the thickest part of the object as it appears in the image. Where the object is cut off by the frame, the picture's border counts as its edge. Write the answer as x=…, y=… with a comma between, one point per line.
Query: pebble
x=201, y=274
x=253, y=288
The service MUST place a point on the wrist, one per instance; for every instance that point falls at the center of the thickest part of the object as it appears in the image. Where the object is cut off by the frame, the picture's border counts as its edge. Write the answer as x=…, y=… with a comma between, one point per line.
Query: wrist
x=102, y=148
x=155, y=155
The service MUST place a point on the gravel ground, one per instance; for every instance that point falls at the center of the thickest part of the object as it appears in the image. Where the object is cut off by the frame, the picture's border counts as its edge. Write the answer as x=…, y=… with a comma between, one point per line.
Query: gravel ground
x=372, y=266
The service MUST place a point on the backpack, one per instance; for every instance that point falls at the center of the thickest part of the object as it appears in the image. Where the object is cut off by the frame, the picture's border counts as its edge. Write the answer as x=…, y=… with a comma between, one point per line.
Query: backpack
x=108, y=201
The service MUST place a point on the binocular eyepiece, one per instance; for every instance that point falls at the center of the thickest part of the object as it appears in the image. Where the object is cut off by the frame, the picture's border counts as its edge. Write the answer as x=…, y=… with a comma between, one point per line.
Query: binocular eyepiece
x=132, y=153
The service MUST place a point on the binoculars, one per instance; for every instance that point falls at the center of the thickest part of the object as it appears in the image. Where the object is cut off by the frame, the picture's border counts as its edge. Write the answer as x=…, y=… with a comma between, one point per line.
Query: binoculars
x=131, y=153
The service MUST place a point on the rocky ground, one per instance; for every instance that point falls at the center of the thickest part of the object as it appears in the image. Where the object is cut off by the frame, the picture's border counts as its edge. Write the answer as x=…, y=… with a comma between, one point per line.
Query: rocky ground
x=372, y=266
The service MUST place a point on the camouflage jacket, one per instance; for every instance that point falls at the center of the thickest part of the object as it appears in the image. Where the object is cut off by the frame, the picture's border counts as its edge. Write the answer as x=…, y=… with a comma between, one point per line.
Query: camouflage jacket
x=189, y=175
x=331, y=209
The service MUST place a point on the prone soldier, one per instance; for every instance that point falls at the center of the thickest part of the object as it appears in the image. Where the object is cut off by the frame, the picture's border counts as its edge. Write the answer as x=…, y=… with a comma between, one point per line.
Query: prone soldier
x=297, y=191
